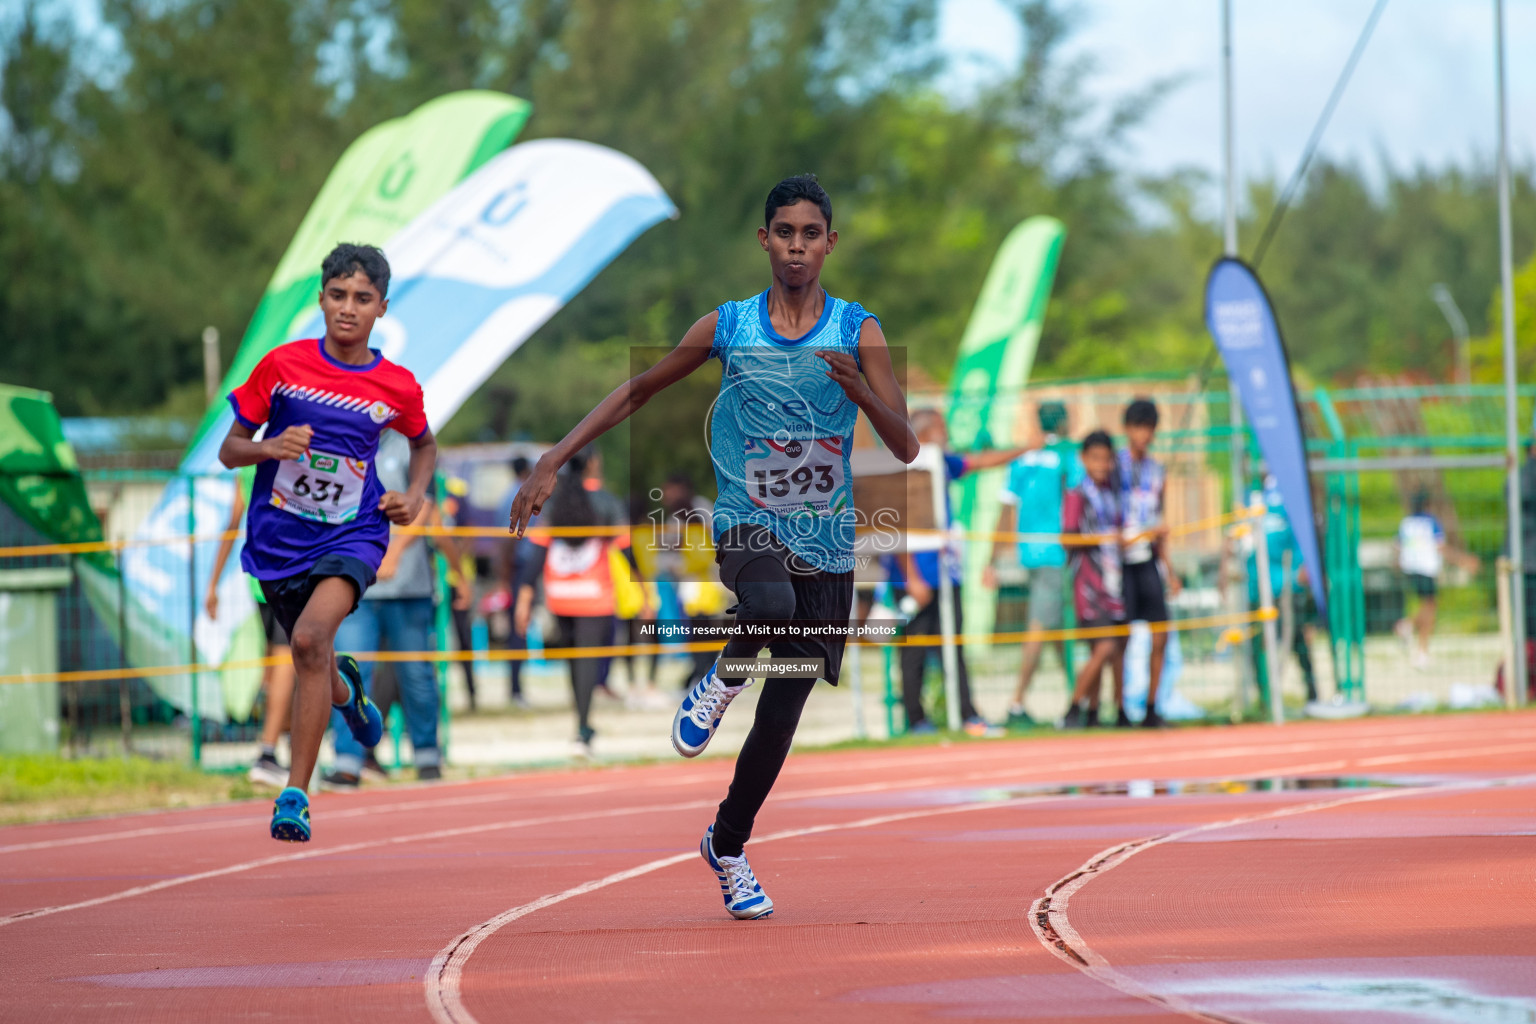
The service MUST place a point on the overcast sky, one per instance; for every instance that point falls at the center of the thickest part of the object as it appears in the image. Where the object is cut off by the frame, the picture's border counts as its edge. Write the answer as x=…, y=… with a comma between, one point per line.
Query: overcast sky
x=1423, y=92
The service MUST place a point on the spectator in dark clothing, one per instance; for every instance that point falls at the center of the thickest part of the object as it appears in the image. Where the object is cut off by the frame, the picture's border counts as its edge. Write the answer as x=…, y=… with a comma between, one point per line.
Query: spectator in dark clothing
x=516, y=552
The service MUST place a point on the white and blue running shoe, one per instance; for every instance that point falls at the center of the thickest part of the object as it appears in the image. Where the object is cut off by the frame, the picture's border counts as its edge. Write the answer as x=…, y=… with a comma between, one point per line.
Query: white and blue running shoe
x=744, y=897
x=699, y=714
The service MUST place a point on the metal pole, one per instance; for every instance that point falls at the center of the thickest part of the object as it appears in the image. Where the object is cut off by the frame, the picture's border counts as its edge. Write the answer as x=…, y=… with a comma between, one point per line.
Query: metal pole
x=211, y=363
x=856, y=674
x=1502, y=584
x=1267, y=627
x=1511, y=426
x=1287, y=613
x=948, y=655
x=1229, y=248
x=193, y=706
x=1230, y=198
x=1452, y=313
x=124, y=700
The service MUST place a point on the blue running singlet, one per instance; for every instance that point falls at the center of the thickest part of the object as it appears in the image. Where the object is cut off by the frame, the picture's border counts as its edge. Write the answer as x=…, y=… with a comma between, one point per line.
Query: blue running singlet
x=781, y=430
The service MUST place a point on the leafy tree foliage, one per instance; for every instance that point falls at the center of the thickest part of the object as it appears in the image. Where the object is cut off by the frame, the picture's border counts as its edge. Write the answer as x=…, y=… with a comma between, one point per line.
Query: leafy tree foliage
x=152, y=173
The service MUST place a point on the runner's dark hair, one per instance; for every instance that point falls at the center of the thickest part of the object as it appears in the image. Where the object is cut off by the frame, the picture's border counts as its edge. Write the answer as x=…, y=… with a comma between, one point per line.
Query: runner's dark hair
x=347, y=259
x=793, y=190
x=1098, y=439
x=1142, y=412
x=570, y=504
x=1052, y=415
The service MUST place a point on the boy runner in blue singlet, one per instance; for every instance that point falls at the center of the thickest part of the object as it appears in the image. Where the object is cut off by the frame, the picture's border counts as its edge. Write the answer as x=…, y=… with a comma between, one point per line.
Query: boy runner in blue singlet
x=319, y=518
x=797, y=366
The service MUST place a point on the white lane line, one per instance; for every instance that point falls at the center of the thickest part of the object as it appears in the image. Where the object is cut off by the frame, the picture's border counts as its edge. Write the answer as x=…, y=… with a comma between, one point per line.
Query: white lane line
x=625, y=783
x=261, y=816
x=444, y=978
x=1511, y=748
x=1048, y=914
x=288, y=858
x=446, y=833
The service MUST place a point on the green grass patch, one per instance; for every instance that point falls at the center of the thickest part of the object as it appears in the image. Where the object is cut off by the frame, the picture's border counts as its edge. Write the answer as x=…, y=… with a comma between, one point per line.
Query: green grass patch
x=44, y=788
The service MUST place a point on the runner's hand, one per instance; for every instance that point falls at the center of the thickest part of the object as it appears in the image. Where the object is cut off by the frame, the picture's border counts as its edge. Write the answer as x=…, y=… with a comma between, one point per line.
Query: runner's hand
x=842, y=368
x=530, y=497
x=211, y=605
x=401, y=509
x=290, y=444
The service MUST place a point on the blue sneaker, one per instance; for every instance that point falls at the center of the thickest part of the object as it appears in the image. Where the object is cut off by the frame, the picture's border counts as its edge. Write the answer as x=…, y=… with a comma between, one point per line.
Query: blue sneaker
x=362, y=715
x=290, y=818
x=699, y=715
x=744, y=898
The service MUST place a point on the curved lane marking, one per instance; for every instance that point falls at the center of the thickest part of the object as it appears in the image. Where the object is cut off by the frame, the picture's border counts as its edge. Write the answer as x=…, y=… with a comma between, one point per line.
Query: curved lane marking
x=444, y=979
x=1048, y=914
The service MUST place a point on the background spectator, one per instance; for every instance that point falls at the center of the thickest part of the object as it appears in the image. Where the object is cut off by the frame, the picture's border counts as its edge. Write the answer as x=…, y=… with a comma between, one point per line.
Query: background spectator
x=1037, y=483
x=1421, y=555
x=920, y=573
x=578, y=586
x=1148, y=577
x=1093, y=508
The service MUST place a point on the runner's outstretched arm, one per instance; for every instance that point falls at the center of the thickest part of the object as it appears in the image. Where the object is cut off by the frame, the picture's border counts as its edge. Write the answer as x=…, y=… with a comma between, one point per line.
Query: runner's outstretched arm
x=877, y=392
x=690, y=354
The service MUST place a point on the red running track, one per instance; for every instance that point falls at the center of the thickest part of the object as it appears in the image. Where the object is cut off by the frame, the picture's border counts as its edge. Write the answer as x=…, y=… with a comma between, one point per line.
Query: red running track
x=931, y=883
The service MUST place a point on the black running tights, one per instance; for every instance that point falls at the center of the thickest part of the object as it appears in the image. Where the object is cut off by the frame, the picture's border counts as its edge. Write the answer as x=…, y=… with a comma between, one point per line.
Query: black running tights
x=764, y=593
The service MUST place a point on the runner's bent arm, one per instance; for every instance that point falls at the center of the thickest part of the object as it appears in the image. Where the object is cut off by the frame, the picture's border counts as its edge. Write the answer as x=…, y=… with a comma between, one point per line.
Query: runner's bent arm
x=239, y=450
x=877, y=391
x=402, y=509
x=690, y=354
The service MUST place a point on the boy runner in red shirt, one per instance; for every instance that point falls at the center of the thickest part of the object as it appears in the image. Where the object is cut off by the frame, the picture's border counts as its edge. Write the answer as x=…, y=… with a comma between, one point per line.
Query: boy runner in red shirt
x=319, y=518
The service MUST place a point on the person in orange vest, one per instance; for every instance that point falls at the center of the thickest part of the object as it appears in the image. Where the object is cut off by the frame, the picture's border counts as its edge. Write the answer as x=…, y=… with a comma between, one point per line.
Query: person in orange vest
x=578, y=584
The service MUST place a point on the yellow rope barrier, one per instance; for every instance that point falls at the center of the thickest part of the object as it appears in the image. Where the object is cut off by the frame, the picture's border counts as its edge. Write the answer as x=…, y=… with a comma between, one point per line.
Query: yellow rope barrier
x=620, y=650
x=1066, y=539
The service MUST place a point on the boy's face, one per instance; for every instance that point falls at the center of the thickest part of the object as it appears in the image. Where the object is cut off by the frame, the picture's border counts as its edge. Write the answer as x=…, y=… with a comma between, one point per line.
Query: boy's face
x=1099, y=462
x=797, y=243
x=1140, y=436
x=351, y=304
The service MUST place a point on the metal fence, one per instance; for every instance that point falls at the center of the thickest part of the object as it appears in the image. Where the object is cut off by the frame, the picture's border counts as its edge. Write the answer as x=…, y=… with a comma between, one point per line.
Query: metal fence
x=1374, y=448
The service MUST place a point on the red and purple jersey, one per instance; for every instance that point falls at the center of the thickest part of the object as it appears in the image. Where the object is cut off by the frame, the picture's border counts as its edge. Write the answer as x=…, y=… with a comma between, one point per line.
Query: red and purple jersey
x=326, y=502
